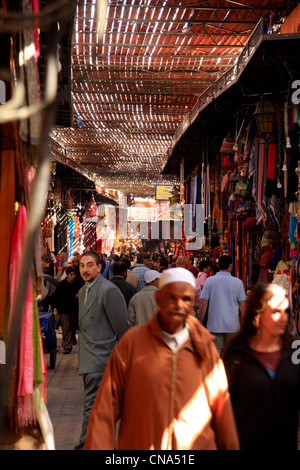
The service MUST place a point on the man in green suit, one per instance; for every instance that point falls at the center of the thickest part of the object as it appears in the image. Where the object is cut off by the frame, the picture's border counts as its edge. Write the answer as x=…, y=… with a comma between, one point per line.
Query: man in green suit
x=102, y=321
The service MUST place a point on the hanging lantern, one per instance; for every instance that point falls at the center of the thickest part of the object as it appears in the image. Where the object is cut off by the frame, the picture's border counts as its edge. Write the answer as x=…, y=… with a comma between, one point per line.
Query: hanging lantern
x=265, y=117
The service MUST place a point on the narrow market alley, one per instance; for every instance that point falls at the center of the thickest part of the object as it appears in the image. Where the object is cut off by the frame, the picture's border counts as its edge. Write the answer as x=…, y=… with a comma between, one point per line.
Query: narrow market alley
x=139, y=136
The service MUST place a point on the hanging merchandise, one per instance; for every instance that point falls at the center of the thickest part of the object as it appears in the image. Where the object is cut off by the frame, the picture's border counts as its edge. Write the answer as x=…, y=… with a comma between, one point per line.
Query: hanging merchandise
x=71, y=235
x=268, y=238
x=250, y=224
x=243, y=209
x=92, y=211
x=80, y=212
x=30, y=370
x=227, y=152
x=241, y=189
x=7, y=210
x=282, y=274
x=227, y=146
x=225, y=183
x=267, y=257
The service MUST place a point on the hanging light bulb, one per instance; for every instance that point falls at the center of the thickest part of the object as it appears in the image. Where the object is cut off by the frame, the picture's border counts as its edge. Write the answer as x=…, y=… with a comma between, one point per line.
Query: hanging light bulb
x=284, y=168
x=279, y=185
x=288, y=143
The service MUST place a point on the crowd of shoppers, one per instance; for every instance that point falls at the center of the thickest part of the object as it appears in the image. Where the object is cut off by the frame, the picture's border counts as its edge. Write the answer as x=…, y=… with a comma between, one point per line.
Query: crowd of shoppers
x=216, y=364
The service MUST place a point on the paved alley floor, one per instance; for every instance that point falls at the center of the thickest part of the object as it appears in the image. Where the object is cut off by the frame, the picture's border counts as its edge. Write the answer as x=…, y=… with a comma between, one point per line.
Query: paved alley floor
x=65, y=398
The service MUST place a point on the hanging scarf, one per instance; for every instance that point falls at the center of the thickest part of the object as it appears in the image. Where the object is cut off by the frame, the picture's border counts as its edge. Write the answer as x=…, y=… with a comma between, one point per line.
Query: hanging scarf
x=31, y=366
x=25, y=368
x=7, y=210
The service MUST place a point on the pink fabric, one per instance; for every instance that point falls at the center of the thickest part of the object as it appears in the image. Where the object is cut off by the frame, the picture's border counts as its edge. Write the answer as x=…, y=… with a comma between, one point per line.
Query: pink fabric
x=202, y=278
x=197, y=293
x=25, y=382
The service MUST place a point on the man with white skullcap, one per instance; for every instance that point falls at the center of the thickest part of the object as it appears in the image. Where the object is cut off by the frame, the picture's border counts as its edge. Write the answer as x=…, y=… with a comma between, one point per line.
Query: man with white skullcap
x=165, y=382
x=142, y=306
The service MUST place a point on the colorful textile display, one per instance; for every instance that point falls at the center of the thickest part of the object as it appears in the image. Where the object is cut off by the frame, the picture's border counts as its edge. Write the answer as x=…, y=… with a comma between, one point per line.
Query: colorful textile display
x=31, y=365
x=7, y=209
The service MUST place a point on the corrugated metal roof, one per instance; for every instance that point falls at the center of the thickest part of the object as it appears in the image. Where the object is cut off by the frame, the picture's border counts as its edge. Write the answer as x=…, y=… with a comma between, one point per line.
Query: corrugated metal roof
x=131, y=90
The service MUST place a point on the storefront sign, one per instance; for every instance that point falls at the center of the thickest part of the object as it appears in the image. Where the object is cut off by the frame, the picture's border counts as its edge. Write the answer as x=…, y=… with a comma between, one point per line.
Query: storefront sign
x=163, y=192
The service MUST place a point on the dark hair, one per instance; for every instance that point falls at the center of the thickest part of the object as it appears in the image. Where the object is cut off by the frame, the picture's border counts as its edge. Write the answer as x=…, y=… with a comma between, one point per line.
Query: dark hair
x=224, y=262
x=258, y=297
x=139, y=258
x=127, y=262
x=204, y=264
x=163, y=262
x=94, y=255
x=119, y=267
x=69, y=270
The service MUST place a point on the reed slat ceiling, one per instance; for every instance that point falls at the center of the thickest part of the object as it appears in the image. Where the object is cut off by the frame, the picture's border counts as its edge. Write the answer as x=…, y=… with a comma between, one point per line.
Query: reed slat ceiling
x=131, y=91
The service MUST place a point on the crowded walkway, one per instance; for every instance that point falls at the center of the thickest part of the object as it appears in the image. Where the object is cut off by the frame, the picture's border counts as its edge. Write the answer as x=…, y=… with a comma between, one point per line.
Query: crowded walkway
x=65, y=398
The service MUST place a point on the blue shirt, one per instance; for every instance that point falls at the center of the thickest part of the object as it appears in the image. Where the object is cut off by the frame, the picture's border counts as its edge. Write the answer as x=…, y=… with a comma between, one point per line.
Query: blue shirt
x=224, y=292
x=140, y=270
x=108, y=271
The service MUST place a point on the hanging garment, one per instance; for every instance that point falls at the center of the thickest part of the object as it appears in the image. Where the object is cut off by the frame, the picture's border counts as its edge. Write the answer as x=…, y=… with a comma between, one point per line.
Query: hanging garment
x=271, y=173
x=7, y=210
x=26, y=360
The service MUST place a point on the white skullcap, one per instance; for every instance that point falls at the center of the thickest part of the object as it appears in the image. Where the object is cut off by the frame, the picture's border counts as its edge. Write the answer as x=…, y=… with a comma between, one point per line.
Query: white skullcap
x=176, y=275
x=151, y=275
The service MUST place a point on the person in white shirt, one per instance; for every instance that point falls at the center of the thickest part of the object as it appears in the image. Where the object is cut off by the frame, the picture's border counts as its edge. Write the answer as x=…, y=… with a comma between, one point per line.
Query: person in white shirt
x=224, y=296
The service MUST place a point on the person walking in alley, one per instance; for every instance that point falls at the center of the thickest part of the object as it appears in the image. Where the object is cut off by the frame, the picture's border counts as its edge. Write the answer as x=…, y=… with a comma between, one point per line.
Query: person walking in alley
x=141, y=267
x=102, y=322
x=119, y=279
x=224, y=296
x=172, y=357
x=66, y=302
x=205, y=269
x=142, y=305
x=263, y=376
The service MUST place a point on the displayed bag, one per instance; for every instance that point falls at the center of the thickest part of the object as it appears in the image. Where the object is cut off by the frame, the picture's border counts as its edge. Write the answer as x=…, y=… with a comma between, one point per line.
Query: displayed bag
x=227, y=146
x=268, y=238
x=241, y=189
x=243, y=210
x=282, y=280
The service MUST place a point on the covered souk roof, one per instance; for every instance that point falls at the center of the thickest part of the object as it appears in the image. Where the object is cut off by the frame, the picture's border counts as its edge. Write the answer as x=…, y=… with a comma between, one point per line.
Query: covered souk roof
x=129, y=91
